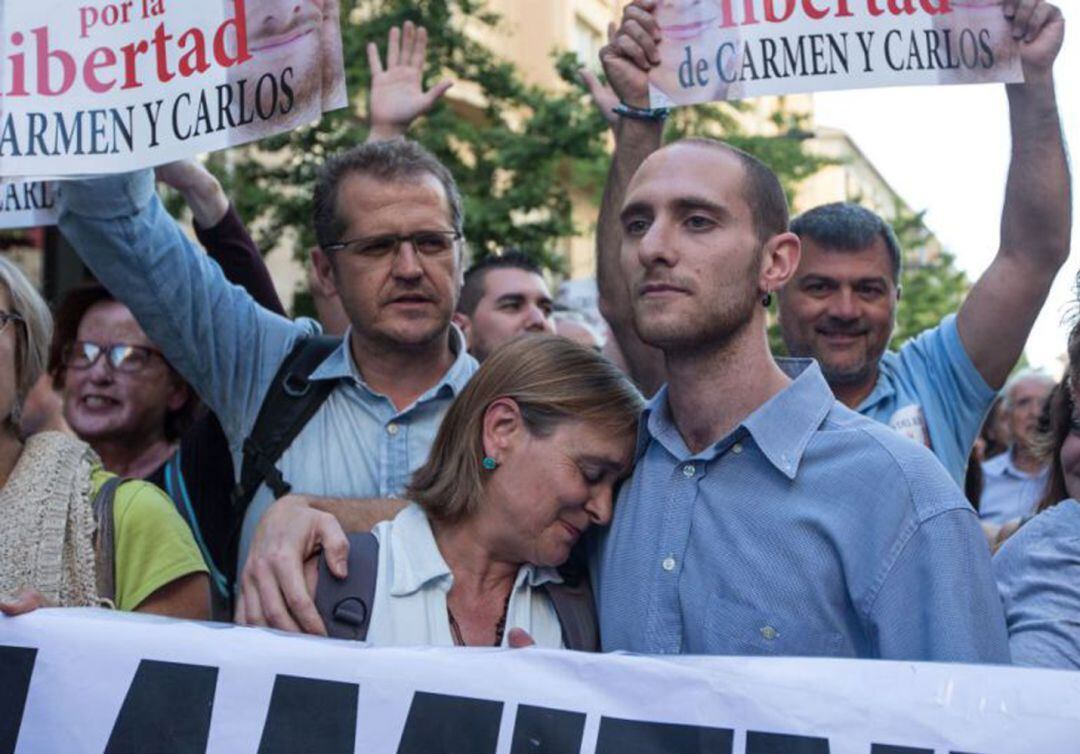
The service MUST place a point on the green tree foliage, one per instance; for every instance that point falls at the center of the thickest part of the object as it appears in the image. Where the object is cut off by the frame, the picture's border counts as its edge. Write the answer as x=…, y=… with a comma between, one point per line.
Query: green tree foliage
x=515, y=150
x=932, y=289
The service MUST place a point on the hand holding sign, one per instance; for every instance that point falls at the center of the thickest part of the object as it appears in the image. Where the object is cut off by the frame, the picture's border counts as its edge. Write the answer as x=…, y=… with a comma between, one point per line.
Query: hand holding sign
x=397, y=96
x=632, y=53
x=1040, y=28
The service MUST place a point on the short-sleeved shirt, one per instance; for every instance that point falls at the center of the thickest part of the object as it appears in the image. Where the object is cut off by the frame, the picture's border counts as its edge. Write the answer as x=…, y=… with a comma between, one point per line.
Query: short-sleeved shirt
x=807, y=530
x=1009, y=493
x=152, y=544
x=1038, y=573
x=931, y=392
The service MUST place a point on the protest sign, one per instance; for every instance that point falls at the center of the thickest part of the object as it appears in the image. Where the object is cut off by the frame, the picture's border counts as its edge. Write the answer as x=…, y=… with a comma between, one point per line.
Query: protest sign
x=732, y=49
x=27, y=205
x=98, y=86
x=92, y=681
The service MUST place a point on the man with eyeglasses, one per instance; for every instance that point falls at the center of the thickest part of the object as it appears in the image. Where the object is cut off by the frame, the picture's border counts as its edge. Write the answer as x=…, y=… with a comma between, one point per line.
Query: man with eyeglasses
x=388, y=218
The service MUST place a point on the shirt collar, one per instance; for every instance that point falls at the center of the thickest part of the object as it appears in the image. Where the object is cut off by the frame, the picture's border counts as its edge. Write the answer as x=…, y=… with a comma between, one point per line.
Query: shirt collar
x=782, y=427
x=1002, y=465
x=340, y=365
x=417, y=561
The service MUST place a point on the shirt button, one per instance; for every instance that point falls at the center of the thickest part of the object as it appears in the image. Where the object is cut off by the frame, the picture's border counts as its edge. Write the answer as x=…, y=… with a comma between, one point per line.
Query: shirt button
x=668, y=564
x=688, y=470
x=392, y=428
x=769, y=633
x=736, y=448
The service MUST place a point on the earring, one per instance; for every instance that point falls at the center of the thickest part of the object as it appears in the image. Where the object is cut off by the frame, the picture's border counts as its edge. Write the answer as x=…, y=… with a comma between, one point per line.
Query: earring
x=767, y=300
x=489, y=463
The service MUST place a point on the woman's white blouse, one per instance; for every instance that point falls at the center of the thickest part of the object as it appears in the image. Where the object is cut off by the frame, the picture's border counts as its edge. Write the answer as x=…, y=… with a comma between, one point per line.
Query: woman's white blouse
x=413, y=580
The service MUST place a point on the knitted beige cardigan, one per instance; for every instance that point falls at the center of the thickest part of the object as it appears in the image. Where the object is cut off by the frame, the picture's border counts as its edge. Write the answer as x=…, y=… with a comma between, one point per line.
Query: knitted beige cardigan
x=47, y=522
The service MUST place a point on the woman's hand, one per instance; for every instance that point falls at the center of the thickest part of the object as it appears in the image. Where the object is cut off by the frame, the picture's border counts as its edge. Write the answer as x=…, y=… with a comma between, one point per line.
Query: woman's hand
x=25, y=601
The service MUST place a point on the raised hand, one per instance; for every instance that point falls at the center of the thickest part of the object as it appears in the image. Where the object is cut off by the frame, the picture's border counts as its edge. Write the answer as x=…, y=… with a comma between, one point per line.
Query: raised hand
x=632, y=52
x=397, y=95
x=1040, y=29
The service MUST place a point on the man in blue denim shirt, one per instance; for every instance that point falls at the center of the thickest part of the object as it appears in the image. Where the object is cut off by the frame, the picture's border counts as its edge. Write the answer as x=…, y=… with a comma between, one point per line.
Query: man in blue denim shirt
x=389, y=222
x=840, y=307
x=762, y=516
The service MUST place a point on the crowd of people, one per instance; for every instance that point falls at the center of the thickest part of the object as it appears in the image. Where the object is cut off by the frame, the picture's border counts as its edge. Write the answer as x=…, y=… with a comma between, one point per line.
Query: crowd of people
x=476, y=467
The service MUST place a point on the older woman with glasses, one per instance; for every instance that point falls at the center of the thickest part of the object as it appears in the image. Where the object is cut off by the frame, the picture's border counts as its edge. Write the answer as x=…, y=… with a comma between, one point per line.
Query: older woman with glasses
x=526, y=461
x=70, y=533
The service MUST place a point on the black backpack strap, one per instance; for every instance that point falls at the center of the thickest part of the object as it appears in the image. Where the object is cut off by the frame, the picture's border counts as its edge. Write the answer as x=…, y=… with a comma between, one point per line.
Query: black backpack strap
x=290, y=402
x=345, y=605
x=104, y=538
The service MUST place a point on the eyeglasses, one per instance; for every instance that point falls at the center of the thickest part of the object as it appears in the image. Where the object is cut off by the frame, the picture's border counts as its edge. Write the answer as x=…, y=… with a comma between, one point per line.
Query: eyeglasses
x=83, y=354
x=426, y=243
x=8, y=317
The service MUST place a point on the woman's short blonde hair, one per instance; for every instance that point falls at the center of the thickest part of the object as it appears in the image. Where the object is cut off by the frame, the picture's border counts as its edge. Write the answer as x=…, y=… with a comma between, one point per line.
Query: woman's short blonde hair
x=552, y=380
x=32, y=338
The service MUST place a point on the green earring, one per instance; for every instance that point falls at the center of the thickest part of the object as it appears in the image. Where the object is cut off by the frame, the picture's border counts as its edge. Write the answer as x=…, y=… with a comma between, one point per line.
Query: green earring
x=490, y=463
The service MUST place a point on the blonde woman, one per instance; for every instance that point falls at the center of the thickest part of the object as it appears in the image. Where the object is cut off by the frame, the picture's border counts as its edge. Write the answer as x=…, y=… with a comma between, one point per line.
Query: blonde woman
x=525, y=462
x=70, y=533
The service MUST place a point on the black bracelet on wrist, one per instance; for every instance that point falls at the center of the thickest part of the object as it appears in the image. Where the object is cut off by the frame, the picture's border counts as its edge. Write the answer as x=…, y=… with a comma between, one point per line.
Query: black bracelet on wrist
x=654, y=114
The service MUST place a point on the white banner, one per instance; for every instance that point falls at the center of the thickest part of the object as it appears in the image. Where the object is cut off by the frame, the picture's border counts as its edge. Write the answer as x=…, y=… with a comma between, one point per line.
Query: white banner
x=731, y=49
x=91, y=681
x=27, y=205
x=98, y=86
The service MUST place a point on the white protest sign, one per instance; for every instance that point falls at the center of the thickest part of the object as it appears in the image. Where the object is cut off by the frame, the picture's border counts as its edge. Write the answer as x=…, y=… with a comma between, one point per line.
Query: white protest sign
x=91, y=681
x=98, y=86
x=731, y=49
x=27, y=205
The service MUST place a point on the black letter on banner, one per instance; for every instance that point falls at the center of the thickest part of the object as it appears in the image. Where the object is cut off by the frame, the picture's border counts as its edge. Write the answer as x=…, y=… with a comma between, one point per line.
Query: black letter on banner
x=637, y=737
x=890, y=749
x=539, y=730
x=16, y=667
x=307, y=714
x=781, y=743
x=166, y=710
x=439, y=724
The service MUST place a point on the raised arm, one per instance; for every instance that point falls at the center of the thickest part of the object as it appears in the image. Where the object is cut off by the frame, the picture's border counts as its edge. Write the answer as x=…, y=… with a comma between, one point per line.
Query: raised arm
x=397, y=95
x=1036, y=223
x=225, y=345
x=627, y=59
x=221, y=231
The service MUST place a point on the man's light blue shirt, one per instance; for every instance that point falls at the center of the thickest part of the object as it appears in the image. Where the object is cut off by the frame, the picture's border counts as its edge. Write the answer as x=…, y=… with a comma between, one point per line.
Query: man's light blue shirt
x=1009, y=493
x=931, y=391
x=808, y=530
x=1038, y=573
x=229, y=348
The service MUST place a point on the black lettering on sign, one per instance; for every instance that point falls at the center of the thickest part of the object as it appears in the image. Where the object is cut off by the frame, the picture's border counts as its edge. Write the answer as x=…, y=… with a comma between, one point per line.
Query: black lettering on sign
x=439, y=724
x=891, y=749
x=637, y=737
x=307, y=714
x=16, y=667
x=781, y=743
x=540, y=730
x=166, y=710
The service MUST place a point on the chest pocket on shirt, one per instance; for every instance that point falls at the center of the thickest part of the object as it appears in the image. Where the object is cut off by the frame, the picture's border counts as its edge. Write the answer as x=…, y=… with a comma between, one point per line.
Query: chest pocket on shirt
x=735, y=628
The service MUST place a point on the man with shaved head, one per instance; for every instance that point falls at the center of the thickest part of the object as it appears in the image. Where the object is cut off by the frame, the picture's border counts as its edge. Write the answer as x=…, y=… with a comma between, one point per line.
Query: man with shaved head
x=762, y=517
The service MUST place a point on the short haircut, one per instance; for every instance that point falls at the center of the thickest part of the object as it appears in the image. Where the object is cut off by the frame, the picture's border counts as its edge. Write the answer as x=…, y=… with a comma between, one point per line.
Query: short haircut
x=69, y=315
x=473, y=289
x=32, y=336
x=552, y=380
x=1023, y=376
x=394, y=160
x=763, y=192
x=844, y=226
